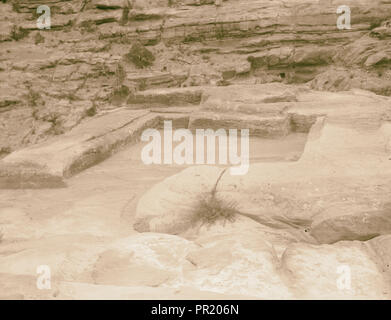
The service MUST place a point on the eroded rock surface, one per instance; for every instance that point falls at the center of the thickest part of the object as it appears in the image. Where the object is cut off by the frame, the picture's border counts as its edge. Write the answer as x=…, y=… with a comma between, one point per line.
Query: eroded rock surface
x=302, y=211
x=72, y=96
x=51, y=80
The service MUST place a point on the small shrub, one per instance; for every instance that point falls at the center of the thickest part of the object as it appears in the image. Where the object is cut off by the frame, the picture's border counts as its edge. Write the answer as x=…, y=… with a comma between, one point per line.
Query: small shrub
x=142, y=85
x=88, y=26
x=119, y=95
x=122, y=91
x=39, y=38
x=90, y=112
x=18, y=33
x=140, y=56
x=210, y=209
x=375, y=24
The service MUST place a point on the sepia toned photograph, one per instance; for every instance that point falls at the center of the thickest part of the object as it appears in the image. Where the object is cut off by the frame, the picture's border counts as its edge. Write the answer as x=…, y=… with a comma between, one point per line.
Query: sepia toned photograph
x=195, y=150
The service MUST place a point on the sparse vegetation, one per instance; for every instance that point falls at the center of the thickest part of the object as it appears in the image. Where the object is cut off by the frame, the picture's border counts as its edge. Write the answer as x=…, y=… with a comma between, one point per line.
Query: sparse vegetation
x=15, y=6
x=120, y=92
x=34, y=98
x=125, y=16
x=223, y=83
x=18, y=33
x=70, y=96
x=3, y=152
x=34, y=15
x=211, y=209
x=375, y=24
x=102, y=70
x=90, y=112
x=88, y=26
x=193, y=38
x=38, y=38
x=220, y=33
x=142, y=85
x=120, y=75
x=140, y=56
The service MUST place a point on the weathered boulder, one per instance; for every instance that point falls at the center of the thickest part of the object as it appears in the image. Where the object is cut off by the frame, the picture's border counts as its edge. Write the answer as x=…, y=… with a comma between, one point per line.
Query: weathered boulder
x=240, y=262
x=344, y=270
x=143, y=260
x=291, y=193
x=382, y=249
x=352, y=221
x=70, y=257
x=277, y=235
x=345, y=79
x=155, y=215
x=383, y=31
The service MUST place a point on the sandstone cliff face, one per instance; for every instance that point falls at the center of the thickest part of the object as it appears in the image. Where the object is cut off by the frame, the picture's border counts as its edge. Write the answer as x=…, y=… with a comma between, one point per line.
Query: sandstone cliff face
x=51, y=80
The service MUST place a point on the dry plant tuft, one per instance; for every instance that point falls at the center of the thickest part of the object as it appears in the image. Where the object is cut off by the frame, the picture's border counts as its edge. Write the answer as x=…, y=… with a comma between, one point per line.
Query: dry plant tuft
x=210, y=209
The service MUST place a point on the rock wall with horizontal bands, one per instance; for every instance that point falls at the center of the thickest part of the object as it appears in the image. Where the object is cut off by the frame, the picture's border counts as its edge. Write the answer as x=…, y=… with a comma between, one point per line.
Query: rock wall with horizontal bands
x=52, y=80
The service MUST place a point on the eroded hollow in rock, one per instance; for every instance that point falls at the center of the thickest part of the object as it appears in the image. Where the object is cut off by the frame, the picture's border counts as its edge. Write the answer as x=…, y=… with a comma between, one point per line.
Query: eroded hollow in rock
x=261, y=149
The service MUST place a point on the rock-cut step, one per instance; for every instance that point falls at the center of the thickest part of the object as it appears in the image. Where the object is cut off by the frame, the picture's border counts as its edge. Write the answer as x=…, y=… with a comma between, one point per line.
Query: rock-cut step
x=155, y=79
x=269, y=126
x=166, y=97
x=47, y=164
